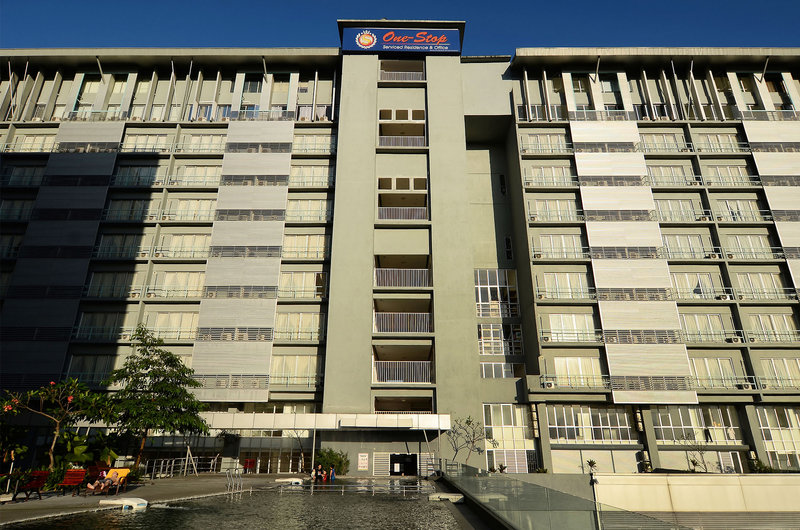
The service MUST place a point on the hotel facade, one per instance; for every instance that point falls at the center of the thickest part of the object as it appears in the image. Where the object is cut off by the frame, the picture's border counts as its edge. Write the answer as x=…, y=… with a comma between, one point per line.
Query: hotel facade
x=594, y=252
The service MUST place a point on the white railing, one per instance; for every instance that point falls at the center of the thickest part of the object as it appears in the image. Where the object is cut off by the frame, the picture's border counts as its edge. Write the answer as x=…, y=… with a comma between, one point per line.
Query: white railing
x=298, y=293
x=732, y=180
x=181, y=252
x=262, y=115
x=497, y=309
x=770, y=115
x=297, y=335
x=550, y=180
x=187, y=215
x=304, y=253
x=768, y=335
x=402, y=278
x=406, y=213
x=403, y=412
x=390, y=322
x=587, y=335
x=288, y=380
x=188, y=147
x=401, y=141
x=158, y=291
x=743, y=215
x=260, y=382
x=778, y=293
x=311, y=181
x=97, y=333
x=602, y=115
x=402, y=76
x=401, y=372
x=308, y=215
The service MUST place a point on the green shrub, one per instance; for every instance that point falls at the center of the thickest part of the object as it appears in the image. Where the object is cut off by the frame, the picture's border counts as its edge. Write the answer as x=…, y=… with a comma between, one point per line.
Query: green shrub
x=338, y=459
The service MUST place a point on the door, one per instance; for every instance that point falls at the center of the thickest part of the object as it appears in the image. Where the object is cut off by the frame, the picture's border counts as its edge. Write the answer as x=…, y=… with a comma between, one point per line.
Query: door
x=403, y=465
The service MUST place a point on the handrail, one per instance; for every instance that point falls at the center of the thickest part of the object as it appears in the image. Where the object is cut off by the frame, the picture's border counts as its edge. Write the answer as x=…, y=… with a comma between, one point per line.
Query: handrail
x=402, y=371
x=389, y=277
x=401, y=322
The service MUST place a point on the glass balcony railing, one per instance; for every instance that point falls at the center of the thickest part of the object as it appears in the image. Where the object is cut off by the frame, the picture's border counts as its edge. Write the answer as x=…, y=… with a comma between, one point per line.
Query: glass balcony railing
x=770, y=115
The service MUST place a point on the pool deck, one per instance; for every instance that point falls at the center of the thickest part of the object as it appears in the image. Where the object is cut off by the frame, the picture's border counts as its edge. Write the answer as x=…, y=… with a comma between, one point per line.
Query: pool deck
x=156, y=491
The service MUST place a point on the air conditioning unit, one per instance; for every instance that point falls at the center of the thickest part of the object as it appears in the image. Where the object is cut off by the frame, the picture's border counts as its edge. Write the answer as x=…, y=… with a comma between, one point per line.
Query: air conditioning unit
x=703, y=218
x=549, y=384
x=694, y=183
x=545, y=339
x=744, y=386
x=533, y=217
x=712, y=255
x=537, y=255
x=753, y=339
x=741, y=297
x=150, y=295
x=540, y=297
x=730, y=256
x=723, y=297
x=734, y=339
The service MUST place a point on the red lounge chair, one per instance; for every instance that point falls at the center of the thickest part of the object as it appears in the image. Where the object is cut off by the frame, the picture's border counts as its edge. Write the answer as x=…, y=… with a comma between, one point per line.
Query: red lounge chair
x=249, y=465
x=36, y=483
x=73, y=478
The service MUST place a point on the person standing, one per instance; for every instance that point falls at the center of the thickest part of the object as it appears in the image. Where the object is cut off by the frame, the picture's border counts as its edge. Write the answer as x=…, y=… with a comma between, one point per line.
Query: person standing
x=332, y=475
x=318, y=474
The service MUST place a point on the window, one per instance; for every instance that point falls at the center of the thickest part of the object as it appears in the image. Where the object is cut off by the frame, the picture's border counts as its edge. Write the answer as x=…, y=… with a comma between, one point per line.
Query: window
x=32, y=143
x=663, y=141
x=773, y=327
x=203, y=143
x=545, y=142
x=667, y=171
x=180, y=325
x=177, y=284
x=509, y=425
x=553, y=209
x=580, y=84
x=496, y=292
x=548, y=171
x=713, y=372
x=302, y=285
x=780, y=430
x=294, y=370
x=499, y=339
x=578, y=371
x=113, y=285
x=717, y=141
x=740, y=209
x=145, y=142
x=121, y=245
x=560, y=246
x=252, y=85
x=299, y=326
x=694, y=284
x=781, y=372
x=760, y=284
x=90, y=369
x=589, y=424
x=728, y=170
x=675, y=209
x=697, y=424
x=609, y=85
x=184, y=245
x=190, y=209
x=9, y=244
x=502, y=370
x=564, y=285
x=306, y=246
x=132, y=210
x=702, y=327
x=308, y=210
x=16, y=209
x=749, y=246
x=572, y=327
x=685, y=245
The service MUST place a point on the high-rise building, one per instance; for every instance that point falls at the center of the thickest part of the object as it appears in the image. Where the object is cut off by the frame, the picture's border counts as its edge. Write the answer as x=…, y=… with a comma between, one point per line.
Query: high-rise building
x=594, y=252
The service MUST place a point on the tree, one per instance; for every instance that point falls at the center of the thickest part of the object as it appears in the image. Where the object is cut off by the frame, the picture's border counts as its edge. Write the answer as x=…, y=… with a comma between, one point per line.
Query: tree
x=338, y=459
x=466, y=433
x=63, y=404
x=695, y=451
x=153, y=393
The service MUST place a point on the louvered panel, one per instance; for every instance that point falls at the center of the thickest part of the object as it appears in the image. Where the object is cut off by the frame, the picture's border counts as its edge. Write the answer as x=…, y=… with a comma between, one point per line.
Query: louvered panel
x=647, y=359
x=789, y=233
x=777, y=163
x=380, y=464
x=617, y=198
x=622, y=273
x=624, y=233
x=610, y=164
x=639, y=315
x=783, y=197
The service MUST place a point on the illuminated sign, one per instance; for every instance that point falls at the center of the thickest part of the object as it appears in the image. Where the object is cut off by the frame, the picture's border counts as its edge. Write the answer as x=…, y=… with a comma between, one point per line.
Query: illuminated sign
x=400, y=40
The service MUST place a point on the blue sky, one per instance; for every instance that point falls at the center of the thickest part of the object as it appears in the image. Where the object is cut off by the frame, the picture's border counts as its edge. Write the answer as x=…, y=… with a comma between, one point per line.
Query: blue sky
x=491, y=28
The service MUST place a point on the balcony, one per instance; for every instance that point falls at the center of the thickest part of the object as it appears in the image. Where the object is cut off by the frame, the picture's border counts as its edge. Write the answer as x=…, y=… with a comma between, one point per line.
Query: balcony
x=650, y=383
x=754, y=253
x=96, y=115
x=497, y=309
x=127, y=252
x=733, y=336
x=722, y=147
x=308, y=216
x=602, y=115
x=586, y=293
x=743, y=216
x=683, y=216
x=192, y=181
x=311, y=181
x=20, y=147
x=557, y=215
x=318, y=113
x=303, y=253
x=773, y=336
x=704, y=293
x=262, y=115
x=138, y=181
x=389, y=75
x=396, y=322
x=732, y=181
x=579, y=382
x=542, y=113
x=550, y=181
x=402, y=371
x=187, y=215
x=778, y=293
x=769, y=115
x=546, y=149
x=399, y=405
x=724, y=383
x=199, y=148
x=778, y=383
x=298, y=335
x=297, y=293
x=401, y=141
x=385, y=277
x=583, y=335
x=160, y=291
x=21, y=180
x=319, y=147
x=295, y=381
x=260, y=382
x=403, y=213
x=645, y=112
x=561, y=253
x=674, y=181
x=132, y=216
x=162, y=147
x=693, y=253
x=117, y=334
x=180, y=252
x=117, y=292
x=16, y=214
x=664, y=147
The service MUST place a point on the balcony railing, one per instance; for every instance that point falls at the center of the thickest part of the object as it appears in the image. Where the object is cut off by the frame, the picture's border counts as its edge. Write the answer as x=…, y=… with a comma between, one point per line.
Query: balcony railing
x=21, y=180
x=304, y=253
x=401, y=141
x=318, y=148
x=113, y=334
x=753, y=253
x=401, y=76
x=781, y=293
x=297, y=335
x=296, y=381
x=733, y=181
x=726, y=382
x=674, y=180
x=560, y=181
x=770, y=115
x=763, y=335
x=311, y=181
x=188, y=147
x=402, y=277
x=722, y=147
x=230, y=381
x=180, y=252
x=650, y=383
x=158, y=291
x=395, y=322
x=743, y=216
x=187, y=215
x=262, y=115
x=16, y=214
x=308, y=216
x=402, y=372
x=321, y=113
x=704, y=293
x=403, y=412
x=96, y=115
x=497, y=309
x=403, y=213
x=126, y=252
x=298, y=293
x=774, y=383
x=155, y=147
x=693, y=253
x=585, y=293
x=193, y=181
x=644, y=112
x=561, y=253
x=682, y=216
x=19, y=147
x=550, y=382
x=557, y=215
x=138, y=181
x=728, y=335
x=602, y=115
x=663, y=147
x=113, y=292
x=539, y=149
x=587, y=335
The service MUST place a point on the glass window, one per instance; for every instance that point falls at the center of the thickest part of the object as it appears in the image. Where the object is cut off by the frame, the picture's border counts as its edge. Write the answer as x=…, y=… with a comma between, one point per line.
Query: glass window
x=500, y=339
x=589, y=424
x=496, y=292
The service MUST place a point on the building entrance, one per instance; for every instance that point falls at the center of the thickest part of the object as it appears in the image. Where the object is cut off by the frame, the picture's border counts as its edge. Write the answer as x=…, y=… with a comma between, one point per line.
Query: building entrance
x=402, y=465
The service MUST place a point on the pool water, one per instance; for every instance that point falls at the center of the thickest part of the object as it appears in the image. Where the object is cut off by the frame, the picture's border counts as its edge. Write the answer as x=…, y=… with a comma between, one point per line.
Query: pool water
x=270, y=509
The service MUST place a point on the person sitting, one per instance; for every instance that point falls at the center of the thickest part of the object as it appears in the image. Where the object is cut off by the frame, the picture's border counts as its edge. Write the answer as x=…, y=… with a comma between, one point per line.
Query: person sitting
x=104, y=482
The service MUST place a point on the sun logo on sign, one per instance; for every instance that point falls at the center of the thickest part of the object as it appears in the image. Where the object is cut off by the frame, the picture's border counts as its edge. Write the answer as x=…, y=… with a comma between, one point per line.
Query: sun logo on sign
x=366, y=39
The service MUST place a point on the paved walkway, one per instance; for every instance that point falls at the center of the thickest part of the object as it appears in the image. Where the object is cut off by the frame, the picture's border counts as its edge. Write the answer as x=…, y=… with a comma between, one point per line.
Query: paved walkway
x=160, y=490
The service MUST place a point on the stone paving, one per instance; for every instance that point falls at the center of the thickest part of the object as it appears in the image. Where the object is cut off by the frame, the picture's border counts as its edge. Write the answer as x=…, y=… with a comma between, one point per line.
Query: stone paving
x=160, y=490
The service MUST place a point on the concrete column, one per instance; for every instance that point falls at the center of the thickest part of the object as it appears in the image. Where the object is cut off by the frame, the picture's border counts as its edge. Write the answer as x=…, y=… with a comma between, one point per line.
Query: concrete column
x=751, y=432
x=568, y=93
x=545, y=455
x=762, y=93
x=625, y=91
x=650, y=441
x=791, y=90
x=596, y=92
x=733, y=80
x=127, y=96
